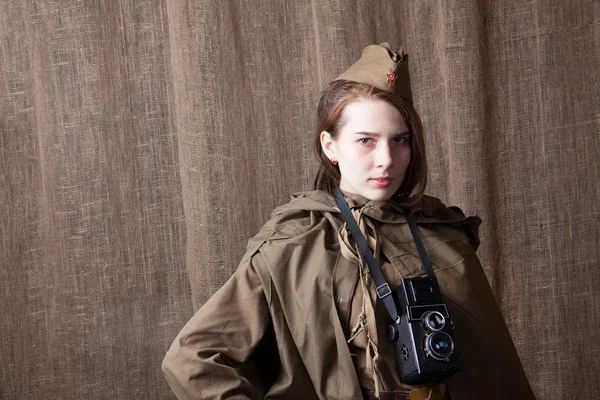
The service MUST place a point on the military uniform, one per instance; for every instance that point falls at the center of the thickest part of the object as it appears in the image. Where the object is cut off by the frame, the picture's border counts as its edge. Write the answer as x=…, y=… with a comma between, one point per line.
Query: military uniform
x=292, y=304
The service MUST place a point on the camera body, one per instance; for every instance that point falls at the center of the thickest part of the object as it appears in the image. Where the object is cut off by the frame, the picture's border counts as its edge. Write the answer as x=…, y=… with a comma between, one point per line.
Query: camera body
x=424, y=337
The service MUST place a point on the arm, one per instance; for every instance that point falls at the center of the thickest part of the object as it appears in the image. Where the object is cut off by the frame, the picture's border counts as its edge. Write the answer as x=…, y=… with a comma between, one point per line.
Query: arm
x=202, y=361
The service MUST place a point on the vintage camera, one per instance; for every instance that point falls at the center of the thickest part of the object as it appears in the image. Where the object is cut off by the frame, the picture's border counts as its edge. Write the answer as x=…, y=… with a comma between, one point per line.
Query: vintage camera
x=423, y=334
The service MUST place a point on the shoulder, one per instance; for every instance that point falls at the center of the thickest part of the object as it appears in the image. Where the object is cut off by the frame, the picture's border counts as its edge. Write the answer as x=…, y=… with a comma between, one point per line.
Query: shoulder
x=433, y=207
x=302, y=213
x=432, y=211
x=307, y=213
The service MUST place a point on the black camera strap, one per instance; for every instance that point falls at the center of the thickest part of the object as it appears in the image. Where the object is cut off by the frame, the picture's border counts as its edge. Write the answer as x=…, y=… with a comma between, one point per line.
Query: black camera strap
x=414, y=229
x=382, y=287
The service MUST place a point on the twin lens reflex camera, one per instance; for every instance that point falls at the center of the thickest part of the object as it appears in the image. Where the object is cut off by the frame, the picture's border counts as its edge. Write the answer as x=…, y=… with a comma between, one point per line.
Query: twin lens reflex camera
x=423, y=338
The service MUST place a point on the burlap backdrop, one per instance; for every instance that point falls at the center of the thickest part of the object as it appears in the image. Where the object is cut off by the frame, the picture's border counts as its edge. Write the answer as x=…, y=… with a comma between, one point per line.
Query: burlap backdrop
x=143, y=142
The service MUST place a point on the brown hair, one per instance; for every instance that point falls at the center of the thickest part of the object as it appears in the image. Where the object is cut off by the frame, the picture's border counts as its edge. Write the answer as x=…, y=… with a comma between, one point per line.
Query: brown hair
x=334, y=100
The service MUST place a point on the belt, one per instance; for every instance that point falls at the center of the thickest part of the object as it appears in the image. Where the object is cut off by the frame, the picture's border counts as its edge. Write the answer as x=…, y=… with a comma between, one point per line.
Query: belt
x=438, y=392
x=369, y=395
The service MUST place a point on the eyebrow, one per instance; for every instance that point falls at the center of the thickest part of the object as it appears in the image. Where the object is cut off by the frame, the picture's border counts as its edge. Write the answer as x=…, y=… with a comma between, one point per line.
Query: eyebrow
x=372, y=134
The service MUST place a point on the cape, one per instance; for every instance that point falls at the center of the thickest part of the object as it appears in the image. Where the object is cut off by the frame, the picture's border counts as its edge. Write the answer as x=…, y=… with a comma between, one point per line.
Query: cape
x=281, y=310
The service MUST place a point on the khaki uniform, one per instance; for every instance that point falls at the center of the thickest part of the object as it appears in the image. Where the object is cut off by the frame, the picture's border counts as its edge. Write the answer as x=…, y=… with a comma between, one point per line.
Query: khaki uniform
x=287, y=310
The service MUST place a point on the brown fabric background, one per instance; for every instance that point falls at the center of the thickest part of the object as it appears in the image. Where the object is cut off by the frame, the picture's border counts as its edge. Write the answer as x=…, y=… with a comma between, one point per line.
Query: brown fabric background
x=143, y=142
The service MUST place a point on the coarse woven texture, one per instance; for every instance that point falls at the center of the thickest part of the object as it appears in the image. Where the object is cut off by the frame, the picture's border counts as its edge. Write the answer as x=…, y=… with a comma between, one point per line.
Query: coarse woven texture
x=143, y=142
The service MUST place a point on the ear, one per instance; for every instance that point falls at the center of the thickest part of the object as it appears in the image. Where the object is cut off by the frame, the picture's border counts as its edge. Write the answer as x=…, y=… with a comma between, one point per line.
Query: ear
x=328, y=144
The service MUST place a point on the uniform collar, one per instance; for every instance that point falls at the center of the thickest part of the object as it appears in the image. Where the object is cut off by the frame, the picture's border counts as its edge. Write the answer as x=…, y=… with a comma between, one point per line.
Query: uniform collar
x=385, y=211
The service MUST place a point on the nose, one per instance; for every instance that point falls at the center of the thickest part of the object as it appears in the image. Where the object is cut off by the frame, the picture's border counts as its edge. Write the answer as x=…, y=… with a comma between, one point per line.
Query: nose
x=383, y=156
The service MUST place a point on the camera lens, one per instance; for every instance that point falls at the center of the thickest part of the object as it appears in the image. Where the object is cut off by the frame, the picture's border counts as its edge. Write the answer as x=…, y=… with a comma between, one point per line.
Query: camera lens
x=434, y=321
x=439, y=345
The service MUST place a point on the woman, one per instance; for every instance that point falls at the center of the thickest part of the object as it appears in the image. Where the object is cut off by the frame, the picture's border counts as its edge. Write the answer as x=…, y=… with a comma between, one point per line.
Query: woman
x=301, y=309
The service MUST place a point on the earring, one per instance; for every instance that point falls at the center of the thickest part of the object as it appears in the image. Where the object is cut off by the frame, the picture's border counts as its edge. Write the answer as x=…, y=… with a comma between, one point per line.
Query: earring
x=334, y=161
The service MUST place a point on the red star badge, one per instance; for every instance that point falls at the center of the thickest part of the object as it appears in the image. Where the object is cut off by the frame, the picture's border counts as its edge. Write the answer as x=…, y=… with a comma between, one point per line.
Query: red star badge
x=391, y=77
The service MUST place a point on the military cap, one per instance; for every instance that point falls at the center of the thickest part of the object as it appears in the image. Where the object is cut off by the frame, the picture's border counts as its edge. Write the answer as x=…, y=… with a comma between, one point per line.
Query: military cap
x=383, y=68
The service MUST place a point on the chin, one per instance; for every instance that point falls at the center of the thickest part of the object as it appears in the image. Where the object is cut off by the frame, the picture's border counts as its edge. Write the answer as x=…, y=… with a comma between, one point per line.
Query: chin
x=379, y=195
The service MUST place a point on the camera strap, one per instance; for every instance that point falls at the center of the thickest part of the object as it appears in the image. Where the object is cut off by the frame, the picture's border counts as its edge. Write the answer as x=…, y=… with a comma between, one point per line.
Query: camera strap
x=414, y=229
x=382, y=287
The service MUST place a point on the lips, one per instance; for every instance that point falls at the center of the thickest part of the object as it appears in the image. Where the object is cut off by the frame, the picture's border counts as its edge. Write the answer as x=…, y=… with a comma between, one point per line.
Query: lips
x=382, y=181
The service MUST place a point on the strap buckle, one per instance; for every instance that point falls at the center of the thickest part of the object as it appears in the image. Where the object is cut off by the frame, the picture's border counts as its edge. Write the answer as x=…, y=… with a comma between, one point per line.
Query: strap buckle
x=383, y=290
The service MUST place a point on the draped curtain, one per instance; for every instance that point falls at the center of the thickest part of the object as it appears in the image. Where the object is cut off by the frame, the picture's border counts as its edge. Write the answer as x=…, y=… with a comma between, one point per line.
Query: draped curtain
x=143, y=142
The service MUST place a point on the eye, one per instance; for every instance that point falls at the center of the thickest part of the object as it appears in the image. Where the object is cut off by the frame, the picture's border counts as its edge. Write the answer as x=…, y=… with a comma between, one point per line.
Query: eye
x=401, y=139
x=365, y=141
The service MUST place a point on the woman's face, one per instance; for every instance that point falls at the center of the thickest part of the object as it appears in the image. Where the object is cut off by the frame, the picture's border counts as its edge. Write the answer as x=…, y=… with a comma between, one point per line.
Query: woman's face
x=372, y=149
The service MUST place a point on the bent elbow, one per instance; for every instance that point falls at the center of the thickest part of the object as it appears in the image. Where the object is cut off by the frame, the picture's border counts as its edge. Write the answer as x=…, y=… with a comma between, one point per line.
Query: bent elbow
x=174, y=371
